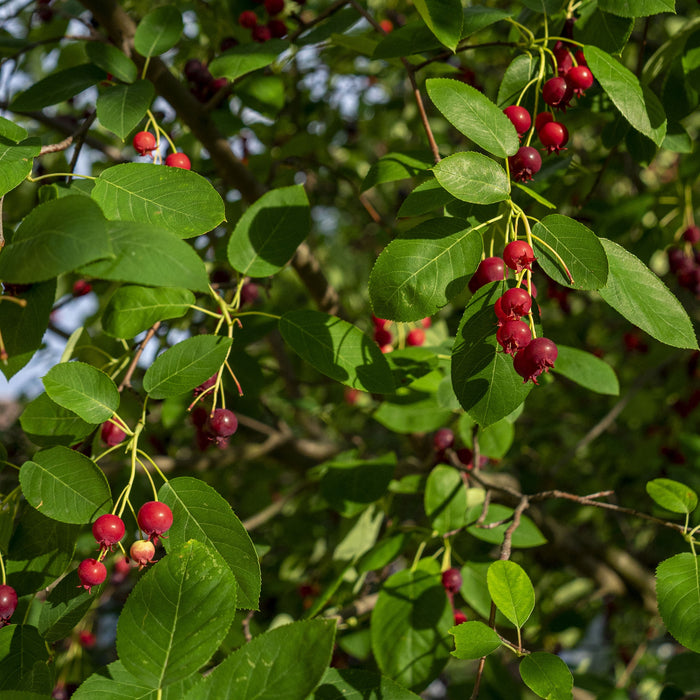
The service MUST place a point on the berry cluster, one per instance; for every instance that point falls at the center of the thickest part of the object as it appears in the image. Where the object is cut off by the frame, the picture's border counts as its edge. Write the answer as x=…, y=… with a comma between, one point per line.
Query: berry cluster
x=216, y=426
x=385, y=338
x=203, y=85
x=452, y=582
x=274, y=29
x=145, y=143
x=443, y=442
x=686, y=265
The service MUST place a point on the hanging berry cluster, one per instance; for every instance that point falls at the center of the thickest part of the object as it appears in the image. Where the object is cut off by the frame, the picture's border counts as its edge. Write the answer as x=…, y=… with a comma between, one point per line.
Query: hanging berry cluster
x=275, y=27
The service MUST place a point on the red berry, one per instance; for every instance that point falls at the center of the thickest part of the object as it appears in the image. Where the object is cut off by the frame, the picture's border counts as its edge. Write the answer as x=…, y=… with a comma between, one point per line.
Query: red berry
x=112, y=434
x=387, y=26
x=144, y=142
x=249, y=293
x=228, y=42
x=278, y=29
x=8, y=603
x=520, y=118
x=223, y=423
x=579, y=79
x=261, y=34
x=248, y=19
x=81, y=288
x=382, y=337
x=459, y=617
x=580, y=58
x=518, y=256
x=554, y=136
x=387, y=348
x=193, y=69
x=543, y=118
x=443, y=439
x=513, y=335
x=426, y=322
x=121, y=569
x=452, y=580
x=540, y=355
x=379, y=323
x=142, y=552
x=523, y=366
x=692, y=234
x=274, y=7
x=563, y=58
x=557, y=93
x=415, y=337
x=108, y=530
x=91, y=573
x=86, y=639
x=515, y=302
x=154, y=518
x=489, y=270
x=525, y=163
x=500, y=315
x=178, y=160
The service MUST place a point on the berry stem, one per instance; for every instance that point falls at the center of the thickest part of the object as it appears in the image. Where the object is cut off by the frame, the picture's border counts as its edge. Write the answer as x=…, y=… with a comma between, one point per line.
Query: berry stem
x=133, y=443
x=558, y=257
x=559, y=38
x=150, y=478
x=234, y=377
x=43, y=177
x=14, y=300
x=194, y=307
x=155, y=466
x=2, y=571
x=160, y=131
x=419, y=554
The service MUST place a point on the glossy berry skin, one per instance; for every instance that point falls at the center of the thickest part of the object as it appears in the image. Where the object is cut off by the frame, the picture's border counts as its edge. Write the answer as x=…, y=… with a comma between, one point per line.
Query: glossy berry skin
x=81, y=288
x=379, y=322
x=513, y=335
x=154, y=518
x=178, y=160
x=278, y=29
x=489, y=270
x=535, y=358
x=144, y=142
x=692, y=234
x=443, y=439
x=563, y=58
x=519, y=117
x=274, y=7
x=91, y=573
x=8, y=603
x=515, y=303
x=112, y=434
x=525, y=163
x=543, y=118
x=459, y=617
x=452, y=580
x=579, y=79
x=523, y=366
x=553, y=136
x=415, y=337
x=519, y=256
x=87, y=639
x=248, y=19
x=142, y=552
x=108, y=530
x=500, y=314
x=387, y=26
x=382, y=337
x=261, y=33
x=557, y=93
x=580, y=58
x=223, y=423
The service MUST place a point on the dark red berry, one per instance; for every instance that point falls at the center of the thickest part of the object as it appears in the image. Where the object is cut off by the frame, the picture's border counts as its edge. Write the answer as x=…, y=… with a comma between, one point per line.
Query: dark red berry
x=579, y=79
x=553, y=136
x=228, y=42
x=523, y=366
x=580, y=58
x=278, y=29
x=261, y=33
x=452, y=580
x=459, y=617
x=525, y=163
x=178, y=160
x=415, y=337
x=144, y=142
x=248, y=19
x=142, y=552
x=154, y=518
x=692, y=234
x=465, y=456
x=518, y=255
x=216, y=85
x=86, y=639
x=8, y=603
x=108, y=530
x=443, y=439
x=489, y=270
x=249, y=293
x=500, y=315
x=557, y=93
x=563, y=58
x=515, y=302
x=112, y=434
x=382, y=337
x=520, y=118
x=223, y=423
x=513, y=335
x=81, y=288
x=199, y=390
x=678, y=261
x=541, y=354
x=543, y=118
x=274, y=7
x=193, y=69
x=379, y=322
x=91, y=573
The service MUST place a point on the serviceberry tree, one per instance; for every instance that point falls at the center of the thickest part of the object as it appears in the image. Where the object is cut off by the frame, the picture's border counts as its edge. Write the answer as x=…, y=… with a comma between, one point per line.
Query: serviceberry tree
x=351, y=349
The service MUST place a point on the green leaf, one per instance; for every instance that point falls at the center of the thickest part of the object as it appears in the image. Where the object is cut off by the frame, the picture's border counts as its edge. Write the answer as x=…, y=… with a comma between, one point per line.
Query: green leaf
x=474, y=639
x=72, y=228
x=145, y=254
x=200, y=513
x=47, y=424
x=606, y=31
x=173, y=198
x=65, y=485
x=356, y=684
x=337, y=349
x=186, y=365
x=672, y=495
x=23, y=660
x=525, y=535
x=58, y=87
x=475, y=590
x=443, y=18
x=547, y=676
x=473, y=177
x=426, y=197
x=16, y=161
x=83, y=389
x=642, y=110
x=349, y=485
x=396, y=166
x=678, y=595
x=473, y=114
x=511, y=590
x=111, y=60
x=177, y=615
x=637, y=8
x=412, y=411
x=548, y=7
x=445, y=499
x=683, y=672
x=495, y=441
x=579, y=248
x=158, y=31
x=246, y=58
x=636, y=293
x=409, y=624
x=483, y=378
x=269, y=232
x=421, y=270
x=284, y=663
x=134, y=309
x=361, y=536
x=521, y=70
x=384, y=552
x=535, y=195
x=10, y=130
x=122, y=107
x=587, y=370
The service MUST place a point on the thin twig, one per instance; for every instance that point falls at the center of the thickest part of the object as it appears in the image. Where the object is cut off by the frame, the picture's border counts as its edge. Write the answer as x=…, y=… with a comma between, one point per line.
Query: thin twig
x=320, y=17
x=126, y=382
x=56, y=147
x=245, y=624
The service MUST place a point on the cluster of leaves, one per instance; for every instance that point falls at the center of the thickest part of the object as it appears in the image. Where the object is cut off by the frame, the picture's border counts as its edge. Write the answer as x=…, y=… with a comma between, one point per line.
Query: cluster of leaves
x=353, y=514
